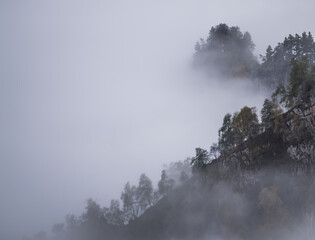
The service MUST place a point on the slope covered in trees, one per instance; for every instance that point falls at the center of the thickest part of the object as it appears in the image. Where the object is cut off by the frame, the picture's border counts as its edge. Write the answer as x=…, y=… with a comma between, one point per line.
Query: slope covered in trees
x=276, y=63
x=256, y=182
x=229, y=52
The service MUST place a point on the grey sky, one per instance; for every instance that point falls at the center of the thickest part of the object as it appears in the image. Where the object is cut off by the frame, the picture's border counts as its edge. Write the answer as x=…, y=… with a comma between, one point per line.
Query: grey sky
x=94, y=93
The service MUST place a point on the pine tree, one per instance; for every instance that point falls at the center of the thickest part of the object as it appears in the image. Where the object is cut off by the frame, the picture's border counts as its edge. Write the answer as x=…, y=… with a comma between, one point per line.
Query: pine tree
x=226, y=134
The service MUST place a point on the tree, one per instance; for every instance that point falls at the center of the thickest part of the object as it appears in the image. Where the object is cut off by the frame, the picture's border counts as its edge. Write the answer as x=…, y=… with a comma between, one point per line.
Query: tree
x=266, y=113
x=93, y=212
x=308, y=87
x=178, y=171
x=226, y=134
x=165, y=185
x=298, y=75
x=214, y=151
x=271, y=118
x=144, y=192
x=269, y=53
x=114, y=215
x=301, y=88
x=130, y=205
x=245, y=124
x=200, y=161
x=228, y=50
x=276, y=65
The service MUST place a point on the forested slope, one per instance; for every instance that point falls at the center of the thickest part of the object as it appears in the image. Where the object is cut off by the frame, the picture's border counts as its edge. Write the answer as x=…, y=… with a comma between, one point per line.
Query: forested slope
x=256, y=182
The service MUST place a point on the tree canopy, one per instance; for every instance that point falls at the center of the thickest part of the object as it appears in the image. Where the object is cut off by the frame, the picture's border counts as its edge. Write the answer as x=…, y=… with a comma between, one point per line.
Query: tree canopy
x=200, y=160
x=245, y=124
x=226, y=133
x=228, y=50
x=276, y=65
x=301, y=87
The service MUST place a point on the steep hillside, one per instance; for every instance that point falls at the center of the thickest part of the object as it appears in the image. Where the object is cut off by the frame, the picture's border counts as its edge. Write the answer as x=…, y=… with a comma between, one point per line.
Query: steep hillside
x=263, y=188
x=260, y=185
x=256, y=182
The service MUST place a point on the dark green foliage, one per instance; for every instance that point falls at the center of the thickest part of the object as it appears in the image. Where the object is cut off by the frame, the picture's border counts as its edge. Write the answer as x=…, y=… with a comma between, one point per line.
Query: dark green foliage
x=275, y=68
x=228, y=50
x=200, y=160
x=298, y=75
x=301, y=87
x=269, y=112
x=308, y=86
x=214, y=151
x=226, y=133
x=266, y=113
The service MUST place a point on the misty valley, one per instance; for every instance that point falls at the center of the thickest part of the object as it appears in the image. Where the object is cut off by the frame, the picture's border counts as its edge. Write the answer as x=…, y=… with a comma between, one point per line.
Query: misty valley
x=256, y=182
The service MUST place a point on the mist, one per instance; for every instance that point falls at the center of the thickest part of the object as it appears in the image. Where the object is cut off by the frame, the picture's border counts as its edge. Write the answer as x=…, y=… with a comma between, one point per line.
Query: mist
x=94, y=93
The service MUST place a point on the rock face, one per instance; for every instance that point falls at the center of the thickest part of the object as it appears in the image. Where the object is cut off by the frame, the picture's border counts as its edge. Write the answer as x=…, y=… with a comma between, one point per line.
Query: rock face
x=304, y=156
x=303, y=151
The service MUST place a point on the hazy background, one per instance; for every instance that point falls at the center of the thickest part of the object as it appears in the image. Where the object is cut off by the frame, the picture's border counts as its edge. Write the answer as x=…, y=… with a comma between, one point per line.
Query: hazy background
x=94, y=93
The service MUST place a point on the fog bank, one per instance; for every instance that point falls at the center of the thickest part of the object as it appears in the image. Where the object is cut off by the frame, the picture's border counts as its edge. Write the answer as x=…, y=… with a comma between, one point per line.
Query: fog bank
x=94, y=93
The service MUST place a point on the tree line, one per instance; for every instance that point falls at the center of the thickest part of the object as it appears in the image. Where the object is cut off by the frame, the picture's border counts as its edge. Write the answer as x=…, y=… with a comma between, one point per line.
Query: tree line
x=236, y=129
x=230, y=52
x=224, y=45
x=133, y=202
x=297, y=98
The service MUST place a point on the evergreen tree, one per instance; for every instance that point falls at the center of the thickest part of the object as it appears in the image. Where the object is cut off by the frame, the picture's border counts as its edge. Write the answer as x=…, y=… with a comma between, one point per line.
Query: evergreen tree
x=266, y=113
x=299, y=74
x=300, y=90
x=200, y=160
x=270, y=116
x=228, y=50
x=226, y=134
x=165, y=185
x=276, y=65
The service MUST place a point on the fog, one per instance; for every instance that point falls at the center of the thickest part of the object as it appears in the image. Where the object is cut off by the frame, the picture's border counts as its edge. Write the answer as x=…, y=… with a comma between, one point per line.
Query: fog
x=94, y=93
